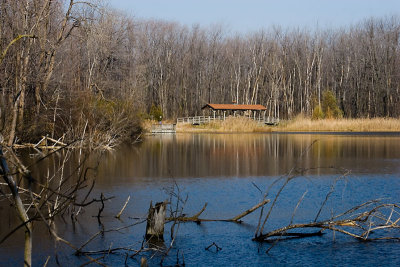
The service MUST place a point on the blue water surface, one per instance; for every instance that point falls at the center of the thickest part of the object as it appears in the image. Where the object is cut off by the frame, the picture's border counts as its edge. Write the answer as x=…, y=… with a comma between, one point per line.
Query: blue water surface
x=229, y=189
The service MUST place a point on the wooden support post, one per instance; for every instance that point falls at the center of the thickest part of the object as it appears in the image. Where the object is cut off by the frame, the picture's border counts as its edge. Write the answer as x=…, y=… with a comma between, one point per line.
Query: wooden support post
x=155, y=222
x=214, y=114
x=224, y=114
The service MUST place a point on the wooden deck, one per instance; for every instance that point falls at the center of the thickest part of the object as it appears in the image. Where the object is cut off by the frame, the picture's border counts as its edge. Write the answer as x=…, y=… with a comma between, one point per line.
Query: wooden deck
x=163, y=128
x=197, y=120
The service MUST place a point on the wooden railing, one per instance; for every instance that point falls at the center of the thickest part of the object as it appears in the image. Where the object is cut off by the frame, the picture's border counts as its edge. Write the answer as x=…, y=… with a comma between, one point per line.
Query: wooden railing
x=206, y=119
x=199, y=119
x=163, y=128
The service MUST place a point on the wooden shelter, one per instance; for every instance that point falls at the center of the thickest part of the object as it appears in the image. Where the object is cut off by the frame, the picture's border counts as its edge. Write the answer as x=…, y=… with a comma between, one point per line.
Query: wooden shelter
x=234, y=108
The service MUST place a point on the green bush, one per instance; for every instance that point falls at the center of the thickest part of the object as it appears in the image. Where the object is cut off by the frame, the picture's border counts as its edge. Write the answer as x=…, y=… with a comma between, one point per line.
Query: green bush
x=330, y=108
x=156, y=113
x=317, y=113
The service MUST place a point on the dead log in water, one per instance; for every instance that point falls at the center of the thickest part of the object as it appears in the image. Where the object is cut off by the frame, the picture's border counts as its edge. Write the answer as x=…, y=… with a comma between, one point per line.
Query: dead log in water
x=156, y=221
x=236, y=219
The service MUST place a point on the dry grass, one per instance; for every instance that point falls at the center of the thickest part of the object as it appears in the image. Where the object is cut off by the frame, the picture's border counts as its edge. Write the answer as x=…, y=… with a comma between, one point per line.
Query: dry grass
x=230, y=125
x=299, y=124
x=146, y=125
x=342, y=125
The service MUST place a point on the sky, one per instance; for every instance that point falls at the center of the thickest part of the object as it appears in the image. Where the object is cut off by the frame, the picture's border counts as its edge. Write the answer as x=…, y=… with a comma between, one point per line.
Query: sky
x=242, y=16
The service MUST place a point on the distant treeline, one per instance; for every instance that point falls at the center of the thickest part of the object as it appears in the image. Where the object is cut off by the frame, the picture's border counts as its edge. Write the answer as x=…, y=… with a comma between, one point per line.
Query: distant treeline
x=78, y=68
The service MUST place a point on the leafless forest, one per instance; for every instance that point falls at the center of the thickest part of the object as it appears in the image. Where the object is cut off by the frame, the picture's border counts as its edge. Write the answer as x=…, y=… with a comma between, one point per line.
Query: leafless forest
x=79, y=68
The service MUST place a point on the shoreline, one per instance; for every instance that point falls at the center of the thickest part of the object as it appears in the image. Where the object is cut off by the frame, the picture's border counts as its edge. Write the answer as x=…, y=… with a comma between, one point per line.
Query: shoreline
x=365, y=134
x=298, y=125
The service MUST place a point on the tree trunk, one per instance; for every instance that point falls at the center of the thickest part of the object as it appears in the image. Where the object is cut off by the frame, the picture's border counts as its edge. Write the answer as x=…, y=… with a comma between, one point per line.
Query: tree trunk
x=155, y=222
x=21, y=212
x=13, y=125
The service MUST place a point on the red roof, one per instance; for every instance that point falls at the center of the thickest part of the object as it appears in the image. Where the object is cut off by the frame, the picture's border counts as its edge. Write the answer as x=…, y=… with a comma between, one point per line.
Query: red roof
x=234, y=107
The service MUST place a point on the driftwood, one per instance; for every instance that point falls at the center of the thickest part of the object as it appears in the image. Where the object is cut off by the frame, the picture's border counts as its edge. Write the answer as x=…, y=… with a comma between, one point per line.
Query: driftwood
x=236, y=219
x=358, y=222
x=44, y=143
x=123, y=208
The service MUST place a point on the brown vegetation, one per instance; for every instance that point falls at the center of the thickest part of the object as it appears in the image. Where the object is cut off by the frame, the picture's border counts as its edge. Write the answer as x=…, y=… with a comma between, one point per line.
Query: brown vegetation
x=58, y=76
x=230, y=125
x=298, y=124
x=341, y=125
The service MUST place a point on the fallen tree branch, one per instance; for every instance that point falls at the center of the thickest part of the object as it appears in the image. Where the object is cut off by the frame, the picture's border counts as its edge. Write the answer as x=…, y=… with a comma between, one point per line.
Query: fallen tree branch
x=353, y=225
x=247, y=212
x=213, y=245
x=79, y=250
x=236, y=219
x=123, y=208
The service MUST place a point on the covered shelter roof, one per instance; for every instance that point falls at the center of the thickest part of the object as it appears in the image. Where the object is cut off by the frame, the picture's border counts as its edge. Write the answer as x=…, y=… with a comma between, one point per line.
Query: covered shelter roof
x=234, y=107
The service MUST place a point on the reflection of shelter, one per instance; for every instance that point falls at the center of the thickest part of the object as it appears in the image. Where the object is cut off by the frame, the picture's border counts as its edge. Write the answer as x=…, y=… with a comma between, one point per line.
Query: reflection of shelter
x=235, y=109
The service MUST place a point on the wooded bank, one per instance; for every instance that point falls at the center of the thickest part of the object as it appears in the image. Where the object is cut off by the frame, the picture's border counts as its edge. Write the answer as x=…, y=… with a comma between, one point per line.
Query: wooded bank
x=83, y=70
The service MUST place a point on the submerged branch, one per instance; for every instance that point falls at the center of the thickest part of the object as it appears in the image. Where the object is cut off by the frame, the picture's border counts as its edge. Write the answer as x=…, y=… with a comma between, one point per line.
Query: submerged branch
x=123, y=208
x=351, y=225
x=236, y=219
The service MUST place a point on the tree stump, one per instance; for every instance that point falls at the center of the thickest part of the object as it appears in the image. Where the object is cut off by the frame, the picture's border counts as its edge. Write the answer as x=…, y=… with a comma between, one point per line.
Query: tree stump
x=155, y=222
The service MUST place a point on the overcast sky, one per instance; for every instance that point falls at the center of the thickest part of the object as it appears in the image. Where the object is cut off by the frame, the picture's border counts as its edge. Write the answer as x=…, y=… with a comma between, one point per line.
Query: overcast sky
x=251, y=15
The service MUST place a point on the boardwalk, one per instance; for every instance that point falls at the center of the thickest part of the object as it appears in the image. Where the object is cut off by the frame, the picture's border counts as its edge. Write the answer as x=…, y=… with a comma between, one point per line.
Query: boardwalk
x=197, y=120
x=163, y=128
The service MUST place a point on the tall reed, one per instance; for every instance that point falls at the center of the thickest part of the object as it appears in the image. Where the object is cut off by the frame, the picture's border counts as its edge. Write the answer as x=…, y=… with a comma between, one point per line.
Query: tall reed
x=342, y=125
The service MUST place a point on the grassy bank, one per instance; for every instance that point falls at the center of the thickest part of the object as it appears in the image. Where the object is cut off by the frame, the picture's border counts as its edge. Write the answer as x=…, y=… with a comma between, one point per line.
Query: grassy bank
x=342, y=125
x=240, y=124
x=230, y=125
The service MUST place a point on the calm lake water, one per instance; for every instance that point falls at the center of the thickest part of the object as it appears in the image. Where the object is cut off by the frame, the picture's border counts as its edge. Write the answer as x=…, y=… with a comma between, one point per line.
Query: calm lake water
x=227, y=171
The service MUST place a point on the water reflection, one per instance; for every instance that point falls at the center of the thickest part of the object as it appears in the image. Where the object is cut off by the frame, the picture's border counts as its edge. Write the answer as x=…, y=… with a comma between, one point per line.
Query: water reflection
x=220, y=169
x=241, y=155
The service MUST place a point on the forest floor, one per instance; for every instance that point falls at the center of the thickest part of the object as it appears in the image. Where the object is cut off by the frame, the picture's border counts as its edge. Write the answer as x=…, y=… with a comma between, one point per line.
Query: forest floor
x=298, y=124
